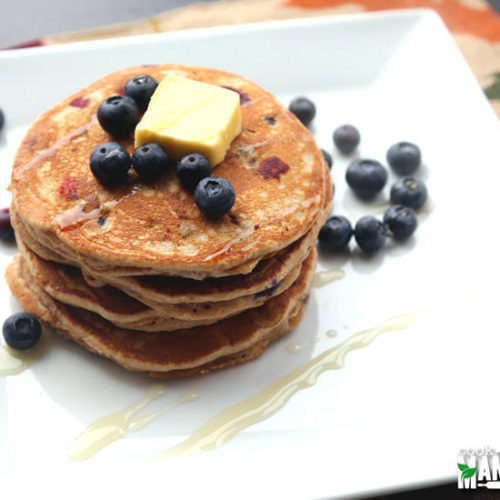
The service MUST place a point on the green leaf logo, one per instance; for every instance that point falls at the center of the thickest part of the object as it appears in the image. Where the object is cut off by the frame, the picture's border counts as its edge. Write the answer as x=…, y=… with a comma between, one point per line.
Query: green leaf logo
x=467, y=471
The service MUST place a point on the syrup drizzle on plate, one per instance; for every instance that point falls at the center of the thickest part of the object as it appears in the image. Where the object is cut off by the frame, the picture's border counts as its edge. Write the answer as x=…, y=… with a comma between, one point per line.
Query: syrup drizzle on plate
x=112, y=427
x=228, y=423
x=295, y=347
x=14, y=362
x=331, y=333
x=324, y=277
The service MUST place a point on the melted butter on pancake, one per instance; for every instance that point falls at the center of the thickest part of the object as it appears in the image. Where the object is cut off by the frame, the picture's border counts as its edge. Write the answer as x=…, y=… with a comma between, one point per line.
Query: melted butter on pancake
x=186, y=116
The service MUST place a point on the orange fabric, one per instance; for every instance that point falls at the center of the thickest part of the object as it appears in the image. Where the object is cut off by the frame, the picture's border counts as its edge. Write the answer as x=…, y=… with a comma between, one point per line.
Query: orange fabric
x=483, y=23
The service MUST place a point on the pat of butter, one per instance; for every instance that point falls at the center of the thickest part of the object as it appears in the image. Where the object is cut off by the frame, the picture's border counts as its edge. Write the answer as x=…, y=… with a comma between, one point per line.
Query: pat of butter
x=186, y=116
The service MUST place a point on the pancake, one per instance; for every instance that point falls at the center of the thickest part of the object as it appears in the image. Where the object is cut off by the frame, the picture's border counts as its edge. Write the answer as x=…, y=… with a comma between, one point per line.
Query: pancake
x=155, y=228
x=66, y=284
x=173, y=290
x=173, y=354
x=267, y=273
x=136, y=273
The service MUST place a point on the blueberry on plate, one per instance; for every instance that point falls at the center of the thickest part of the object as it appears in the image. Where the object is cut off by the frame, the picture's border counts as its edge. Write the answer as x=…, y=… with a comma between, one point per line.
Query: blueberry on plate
x=118, y=115
x=304, y=109
x=366, y=177
x=21, y=331
x=2, y=120
x=191, y=169
x=346, y=138
x=370, y=234
x=409, y=192
x=335, y=234
x=110, y=162
x=327, y=157
x=140, y=89
x=214, y=196
x=6, y=231
x=150, y=161
x=402, y=221
x=404, y=158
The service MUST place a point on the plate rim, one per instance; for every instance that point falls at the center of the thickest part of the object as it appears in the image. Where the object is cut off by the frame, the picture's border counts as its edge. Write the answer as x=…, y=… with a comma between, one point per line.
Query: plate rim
x=418, y=13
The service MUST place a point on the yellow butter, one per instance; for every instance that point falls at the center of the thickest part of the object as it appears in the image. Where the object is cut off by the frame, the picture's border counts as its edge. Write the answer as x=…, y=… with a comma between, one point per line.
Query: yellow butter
x=186, y=116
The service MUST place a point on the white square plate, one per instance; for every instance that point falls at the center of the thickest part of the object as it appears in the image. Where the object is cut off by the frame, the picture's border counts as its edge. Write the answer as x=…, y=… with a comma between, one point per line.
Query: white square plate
x=400, y=410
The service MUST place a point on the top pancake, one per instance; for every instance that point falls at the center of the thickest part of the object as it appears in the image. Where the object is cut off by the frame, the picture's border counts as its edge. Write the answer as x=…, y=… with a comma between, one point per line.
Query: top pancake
x=274, y=165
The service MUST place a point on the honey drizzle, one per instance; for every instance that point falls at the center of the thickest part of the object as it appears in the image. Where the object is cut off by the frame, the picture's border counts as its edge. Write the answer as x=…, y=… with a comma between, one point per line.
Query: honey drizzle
x=76, y=214
x=14, y=362
x=295, y=347
x=49, y=152
x=427, y=207
x=109, y=429
x=248, y=232
x=323, y=278
x=228, y=423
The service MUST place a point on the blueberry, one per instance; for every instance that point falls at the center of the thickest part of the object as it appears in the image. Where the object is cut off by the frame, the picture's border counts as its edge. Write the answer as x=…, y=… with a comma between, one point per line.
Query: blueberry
x=2, y=120
x=404, y=158
x=6, y=231
x=370, y=234
x=327, y=157
x=191, y=169
x=366, y=177
x=110, y=162
x=346, y=138
x=21, y=331
x=118, y=115
x=409, y=192
x=150, y=161
x=335, y=234
x=214, y=196
x=140, y=89
x=304, y=109
x=402, y=221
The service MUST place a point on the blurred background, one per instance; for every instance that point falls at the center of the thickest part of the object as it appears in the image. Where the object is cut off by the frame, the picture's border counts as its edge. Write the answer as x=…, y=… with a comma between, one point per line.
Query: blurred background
x=31, y=19
x=474, y=24
x=25, y=20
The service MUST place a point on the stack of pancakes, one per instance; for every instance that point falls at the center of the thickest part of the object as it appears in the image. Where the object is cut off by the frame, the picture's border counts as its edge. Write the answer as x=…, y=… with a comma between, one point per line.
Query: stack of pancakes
x=136, y=273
